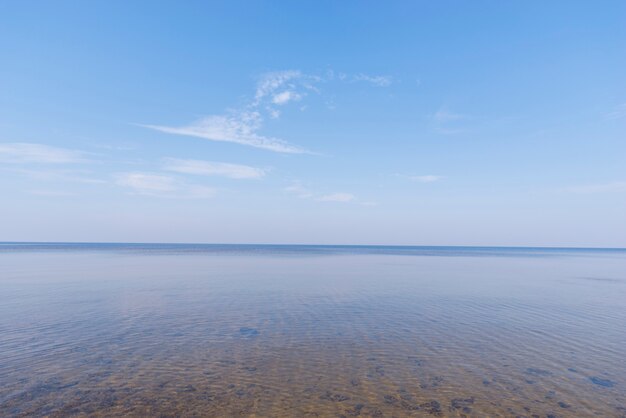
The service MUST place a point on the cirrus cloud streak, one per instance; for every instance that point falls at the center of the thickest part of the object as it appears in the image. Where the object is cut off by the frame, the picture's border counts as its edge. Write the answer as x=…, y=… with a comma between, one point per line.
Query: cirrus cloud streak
x=24, y=153
x=210, y=168
x=158, y=185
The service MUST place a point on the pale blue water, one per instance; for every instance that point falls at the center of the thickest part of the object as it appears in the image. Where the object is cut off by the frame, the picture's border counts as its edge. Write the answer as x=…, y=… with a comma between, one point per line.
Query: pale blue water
x=247, y=330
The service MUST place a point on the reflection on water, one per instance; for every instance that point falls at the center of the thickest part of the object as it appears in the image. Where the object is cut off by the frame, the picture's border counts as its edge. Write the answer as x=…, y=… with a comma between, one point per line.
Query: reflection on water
x=105, y=330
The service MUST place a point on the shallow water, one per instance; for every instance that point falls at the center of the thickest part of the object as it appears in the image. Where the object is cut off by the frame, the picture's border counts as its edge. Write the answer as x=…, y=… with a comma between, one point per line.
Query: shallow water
x=175, y=330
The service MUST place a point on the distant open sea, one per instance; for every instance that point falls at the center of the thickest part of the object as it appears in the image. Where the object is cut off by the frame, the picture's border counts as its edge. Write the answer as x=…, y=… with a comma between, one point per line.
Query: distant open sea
x=191, y=330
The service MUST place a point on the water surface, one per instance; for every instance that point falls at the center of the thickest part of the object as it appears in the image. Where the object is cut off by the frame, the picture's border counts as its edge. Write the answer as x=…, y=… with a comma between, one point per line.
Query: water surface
x=215, y=330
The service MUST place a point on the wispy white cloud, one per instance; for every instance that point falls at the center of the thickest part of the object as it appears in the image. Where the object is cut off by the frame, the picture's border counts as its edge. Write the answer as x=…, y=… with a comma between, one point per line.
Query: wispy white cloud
x=447, y=122
x=297, y=189
x=146, y=182
x=613, y=187
x=157, y=185
x=237, y=127
x=274, y=113
x=210, y=168
x=336, y=197
x=618, y=113
x=426, y=178
x=243, y=126
x=274, y=89
x=429, y=178
x=444, y=115
x=377, y=80
x=23, y=153
x=282, y=87
x=272, y=81
x=285, y=97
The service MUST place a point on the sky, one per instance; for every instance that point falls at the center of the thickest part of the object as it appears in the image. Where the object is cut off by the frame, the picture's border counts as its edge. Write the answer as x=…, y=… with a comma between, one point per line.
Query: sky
x=314, y=122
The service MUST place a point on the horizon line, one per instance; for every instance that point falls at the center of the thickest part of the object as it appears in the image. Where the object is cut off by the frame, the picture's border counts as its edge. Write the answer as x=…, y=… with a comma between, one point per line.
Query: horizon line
x=306, y=245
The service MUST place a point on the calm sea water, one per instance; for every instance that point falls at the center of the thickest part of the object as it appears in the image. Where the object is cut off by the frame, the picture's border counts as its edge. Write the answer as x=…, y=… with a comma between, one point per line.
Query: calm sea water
x=311, y=331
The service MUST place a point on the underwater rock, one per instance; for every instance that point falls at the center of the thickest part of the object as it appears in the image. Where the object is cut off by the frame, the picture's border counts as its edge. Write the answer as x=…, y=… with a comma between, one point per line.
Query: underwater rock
x=433, y=383
x=376, y=413
x=538, y=372
x=356, y=411
x=433, y=408
x=602, y=382
x=335, y=397
x=401, y=403
x=460, y=403
x=405, y=395
x=248, y=332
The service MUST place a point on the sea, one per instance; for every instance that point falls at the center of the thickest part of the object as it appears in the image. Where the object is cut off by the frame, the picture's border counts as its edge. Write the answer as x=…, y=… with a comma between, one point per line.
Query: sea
x=190, y=330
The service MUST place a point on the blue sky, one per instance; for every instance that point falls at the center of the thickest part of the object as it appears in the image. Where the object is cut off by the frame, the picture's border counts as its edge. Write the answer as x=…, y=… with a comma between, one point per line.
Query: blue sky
x=426, y=123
